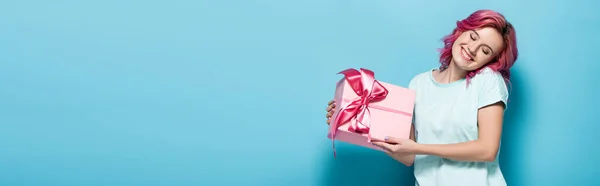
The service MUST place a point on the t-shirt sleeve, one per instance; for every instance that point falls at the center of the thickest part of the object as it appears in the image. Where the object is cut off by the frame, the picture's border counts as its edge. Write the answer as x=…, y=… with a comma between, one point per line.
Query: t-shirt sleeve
x=413, y=86
x=493, y=90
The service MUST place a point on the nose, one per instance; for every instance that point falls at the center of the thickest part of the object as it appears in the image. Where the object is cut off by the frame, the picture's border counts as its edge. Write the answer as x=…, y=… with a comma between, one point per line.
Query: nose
x=470, y=46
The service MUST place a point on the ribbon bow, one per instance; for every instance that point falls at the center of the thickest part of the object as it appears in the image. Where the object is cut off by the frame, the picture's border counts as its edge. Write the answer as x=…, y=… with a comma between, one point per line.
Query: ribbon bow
x=368, y=90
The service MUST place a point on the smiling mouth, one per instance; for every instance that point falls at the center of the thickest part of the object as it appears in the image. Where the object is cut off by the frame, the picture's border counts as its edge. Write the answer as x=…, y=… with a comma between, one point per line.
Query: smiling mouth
x=465, y=54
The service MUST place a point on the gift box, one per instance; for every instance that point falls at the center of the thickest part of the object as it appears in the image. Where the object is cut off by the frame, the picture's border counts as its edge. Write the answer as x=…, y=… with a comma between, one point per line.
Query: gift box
x=368, y=109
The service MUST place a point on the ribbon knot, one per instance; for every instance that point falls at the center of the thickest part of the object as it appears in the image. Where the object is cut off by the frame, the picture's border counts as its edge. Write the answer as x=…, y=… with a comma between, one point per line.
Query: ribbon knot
x=368, y=90
x=364, y=102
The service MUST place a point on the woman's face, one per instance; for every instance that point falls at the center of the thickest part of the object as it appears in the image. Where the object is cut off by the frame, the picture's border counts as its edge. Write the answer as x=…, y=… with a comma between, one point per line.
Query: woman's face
x=476, y=48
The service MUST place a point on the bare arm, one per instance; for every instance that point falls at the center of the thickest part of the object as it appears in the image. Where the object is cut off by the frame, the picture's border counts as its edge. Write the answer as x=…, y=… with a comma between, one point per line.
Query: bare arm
x=484, y=149
x=407, y=160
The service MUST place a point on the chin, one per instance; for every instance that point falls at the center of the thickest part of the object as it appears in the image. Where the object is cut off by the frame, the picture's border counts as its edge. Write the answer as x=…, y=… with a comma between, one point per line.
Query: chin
x=462, y=63
x=462, y=66
x=465, y=65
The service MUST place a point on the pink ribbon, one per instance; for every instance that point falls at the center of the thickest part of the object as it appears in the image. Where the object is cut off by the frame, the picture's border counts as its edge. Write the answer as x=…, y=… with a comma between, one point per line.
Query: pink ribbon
x=368, y=90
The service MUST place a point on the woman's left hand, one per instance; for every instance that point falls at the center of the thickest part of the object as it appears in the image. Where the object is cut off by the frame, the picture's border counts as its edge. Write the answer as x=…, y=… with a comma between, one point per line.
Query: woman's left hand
x=397, y=146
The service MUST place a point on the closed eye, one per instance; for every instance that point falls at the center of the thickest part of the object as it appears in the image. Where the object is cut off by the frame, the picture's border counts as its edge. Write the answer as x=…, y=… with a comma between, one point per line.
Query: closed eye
x=486, y=51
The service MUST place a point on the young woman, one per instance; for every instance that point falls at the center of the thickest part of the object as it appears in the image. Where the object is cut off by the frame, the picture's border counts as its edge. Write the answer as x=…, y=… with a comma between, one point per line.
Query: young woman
x=459, y=107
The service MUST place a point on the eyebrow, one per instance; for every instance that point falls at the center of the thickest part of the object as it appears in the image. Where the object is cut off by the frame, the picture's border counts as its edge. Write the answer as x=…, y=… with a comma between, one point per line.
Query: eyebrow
x=484, y=43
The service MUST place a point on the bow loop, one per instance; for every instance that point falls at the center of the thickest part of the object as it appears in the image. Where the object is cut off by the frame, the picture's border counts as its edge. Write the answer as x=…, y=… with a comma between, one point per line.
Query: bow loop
x=368, y=90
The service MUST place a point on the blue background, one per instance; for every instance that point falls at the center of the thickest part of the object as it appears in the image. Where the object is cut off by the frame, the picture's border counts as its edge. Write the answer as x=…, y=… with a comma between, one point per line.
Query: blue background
x=225, y=92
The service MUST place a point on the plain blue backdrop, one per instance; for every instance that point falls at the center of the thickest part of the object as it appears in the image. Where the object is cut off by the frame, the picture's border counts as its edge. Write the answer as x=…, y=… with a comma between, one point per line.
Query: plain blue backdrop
x=225, y=92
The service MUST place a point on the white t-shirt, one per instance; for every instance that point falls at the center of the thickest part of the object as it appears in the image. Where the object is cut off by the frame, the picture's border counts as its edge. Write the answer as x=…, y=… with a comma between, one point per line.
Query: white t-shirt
x=446, y=114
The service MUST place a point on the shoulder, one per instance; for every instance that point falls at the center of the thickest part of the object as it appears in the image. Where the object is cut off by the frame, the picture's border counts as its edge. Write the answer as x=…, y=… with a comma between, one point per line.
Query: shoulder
x=419, y=79
x=488, y=77
x=490, y=86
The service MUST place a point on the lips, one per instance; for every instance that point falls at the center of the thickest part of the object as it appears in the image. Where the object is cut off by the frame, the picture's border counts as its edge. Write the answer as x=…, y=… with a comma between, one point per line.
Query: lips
x=465, y=55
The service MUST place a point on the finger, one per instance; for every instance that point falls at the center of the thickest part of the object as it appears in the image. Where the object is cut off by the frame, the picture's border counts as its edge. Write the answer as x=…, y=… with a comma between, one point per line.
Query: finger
x=330, y=107
x=328, y=121
x=389, y=153
x=331, y=104
x=386, y=146
x=393, y=140
x=328, y=115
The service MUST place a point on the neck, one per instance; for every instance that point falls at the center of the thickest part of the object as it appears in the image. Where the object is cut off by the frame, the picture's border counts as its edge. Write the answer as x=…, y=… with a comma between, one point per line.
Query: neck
x=452, y=74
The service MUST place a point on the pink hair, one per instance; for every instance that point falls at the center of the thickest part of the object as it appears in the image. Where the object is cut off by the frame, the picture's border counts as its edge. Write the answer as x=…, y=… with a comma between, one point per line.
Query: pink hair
x=478, y=19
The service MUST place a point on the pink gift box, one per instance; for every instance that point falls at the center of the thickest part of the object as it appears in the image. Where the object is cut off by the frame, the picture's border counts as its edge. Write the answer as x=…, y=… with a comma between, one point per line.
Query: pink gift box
x=389, y=113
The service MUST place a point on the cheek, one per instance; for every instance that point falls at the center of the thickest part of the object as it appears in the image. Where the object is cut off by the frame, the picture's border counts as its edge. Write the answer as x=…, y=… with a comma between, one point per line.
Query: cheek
x=484, y=60
x=456, y=49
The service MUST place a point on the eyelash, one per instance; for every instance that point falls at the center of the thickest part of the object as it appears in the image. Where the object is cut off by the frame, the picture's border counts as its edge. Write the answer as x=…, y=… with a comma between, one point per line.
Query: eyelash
x=473, y=38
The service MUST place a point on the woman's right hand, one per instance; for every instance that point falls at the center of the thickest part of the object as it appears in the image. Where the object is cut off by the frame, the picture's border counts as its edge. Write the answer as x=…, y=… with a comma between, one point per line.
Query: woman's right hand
x=330, y=109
